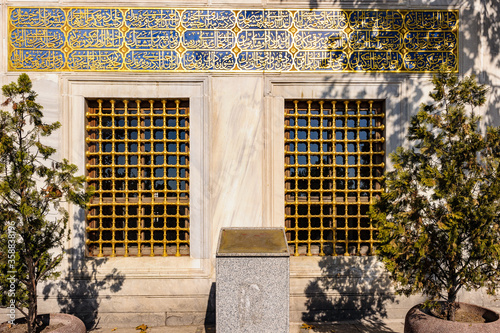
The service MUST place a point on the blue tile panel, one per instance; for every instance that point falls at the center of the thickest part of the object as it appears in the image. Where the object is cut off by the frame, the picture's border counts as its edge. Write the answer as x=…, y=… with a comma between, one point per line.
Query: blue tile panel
x=201, y=40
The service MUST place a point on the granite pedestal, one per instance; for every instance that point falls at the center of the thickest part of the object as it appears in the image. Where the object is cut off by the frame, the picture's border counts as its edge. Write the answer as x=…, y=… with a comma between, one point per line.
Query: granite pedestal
x=252, y=286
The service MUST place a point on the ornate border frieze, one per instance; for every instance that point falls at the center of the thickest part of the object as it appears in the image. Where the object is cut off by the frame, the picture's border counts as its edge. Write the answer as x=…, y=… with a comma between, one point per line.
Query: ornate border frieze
x=194, y=40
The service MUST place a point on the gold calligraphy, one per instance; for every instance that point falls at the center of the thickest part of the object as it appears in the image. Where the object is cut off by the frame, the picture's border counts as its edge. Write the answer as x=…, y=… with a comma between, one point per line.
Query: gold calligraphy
x=169, y=39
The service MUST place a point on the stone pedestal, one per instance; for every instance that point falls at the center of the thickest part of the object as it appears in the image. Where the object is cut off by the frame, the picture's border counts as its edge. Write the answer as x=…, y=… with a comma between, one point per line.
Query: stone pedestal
x=252, y=286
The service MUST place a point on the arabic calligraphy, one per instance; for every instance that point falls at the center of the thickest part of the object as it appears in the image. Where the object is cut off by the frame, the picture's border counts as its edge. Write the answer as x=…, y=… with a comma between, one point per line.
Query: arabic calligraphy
x=156, y=39
x=325, y=19
x=95, y=60
x=152, y=39
x=434, y=20
x=321, y=60
x=37, y=17
x=37, y=38
x=264, y=19
x=152, y=18
x=95, y=18
x=265, y=40
x=387, y=20
x=429, y=61
x=208, y=60
x=375, y=40
x=152, y=60
x=375, y=61
x=426, y=41
x=95, y=38
x=265, y=60
x=208, y=19
x=41, y=59
x=208, y=39
x=320, y=40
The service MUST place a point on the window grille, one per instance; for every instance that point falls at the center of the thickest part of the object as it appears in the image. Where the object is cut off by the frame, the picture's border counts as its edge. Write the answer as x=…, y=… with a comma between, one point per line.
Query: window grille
x=334, y=161
x=138, y=163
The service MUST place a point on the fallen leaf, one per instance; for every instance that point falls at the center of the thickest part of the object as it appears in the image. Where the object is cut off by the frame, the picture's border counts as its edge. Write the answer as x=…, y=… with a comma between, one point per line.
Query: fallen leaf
x=142, y=328
x=308, y=327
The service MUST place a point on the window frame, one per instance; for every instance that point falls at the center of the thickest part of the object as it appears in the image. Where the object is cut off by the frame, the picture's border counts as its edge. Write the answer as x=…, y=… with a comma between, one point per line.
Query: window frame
x=279, y=89
x=138, y=208
x=76, y=89
x=331, y=174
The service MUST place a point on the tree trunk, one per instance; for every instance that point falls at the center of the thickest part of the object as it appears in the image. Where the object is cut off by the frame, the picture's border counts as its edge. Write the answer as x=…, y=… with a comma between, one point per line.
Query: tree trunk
x=451, y=306
x=32, y=307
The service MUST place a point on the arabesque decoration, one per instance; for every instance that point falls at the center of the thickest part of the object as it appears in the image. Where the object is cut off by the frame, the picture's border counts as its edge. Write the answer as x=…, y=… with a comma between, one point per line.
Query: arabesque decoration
x=193, y=40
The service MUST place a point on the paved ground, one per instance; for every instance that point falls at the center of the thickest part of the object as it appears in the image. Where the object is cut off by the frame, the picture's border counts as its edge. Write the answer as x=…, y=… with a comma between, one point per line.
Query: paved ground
x=387, y=326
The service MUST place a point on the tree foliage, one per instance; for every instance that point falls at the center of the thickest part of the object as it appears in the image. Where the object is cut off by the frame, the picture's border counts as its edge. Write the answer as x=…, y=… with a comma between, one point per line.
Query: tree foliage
x=33, y=187
x=438, y=218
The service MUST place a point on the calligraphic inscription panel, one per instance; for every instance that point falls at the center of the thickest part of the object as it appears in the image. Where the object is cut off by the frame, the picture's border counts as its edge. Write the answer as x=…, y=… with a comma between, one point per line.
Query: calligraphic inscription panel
x=190, y=40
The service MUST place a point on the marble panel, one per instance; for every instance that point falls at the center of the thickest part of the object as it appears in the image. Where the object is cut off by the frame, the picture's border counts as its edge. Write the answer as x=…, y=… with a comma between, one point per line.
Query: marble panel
x=236, y=159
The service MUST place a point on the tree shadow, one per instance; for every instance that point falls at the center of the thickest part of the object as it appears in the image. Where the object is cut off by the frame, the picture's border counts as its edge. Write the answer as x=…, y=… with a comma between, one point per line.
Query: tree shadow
x=352, y=291
x=485, y=50
x=349, y=289
x=479, y=50
x=80, y=291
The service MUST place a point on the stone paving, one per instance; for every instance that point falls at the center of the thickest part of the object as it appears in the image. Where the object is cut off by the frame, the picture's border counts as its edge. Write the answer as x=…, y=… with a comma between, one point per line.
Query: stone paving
x=386, y=326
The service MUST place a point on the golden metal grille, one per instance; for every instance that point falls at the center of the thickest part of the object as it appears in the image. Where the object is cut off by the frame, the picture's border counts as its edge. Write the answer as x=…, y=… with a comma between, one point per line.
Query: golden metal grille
x=334, y=161
x=138, y=162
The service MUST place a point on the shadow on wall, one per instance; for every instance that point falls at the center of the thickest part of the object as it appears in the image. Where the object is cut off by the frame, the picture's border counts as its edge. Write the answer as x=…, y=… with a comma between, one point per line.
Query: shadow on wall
x=487, y=17
x=210, y=312
x=80, y=292
x=353, y=288
x=479, y=48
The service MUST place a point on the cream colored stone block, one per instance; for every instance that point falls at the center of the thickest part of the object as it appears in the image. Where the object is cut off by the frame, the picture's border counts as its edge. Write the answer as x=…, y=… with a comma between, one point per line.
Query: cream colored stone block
x=139, y=4
x=3, y=39
x=146, y=287
x=237, y=147
x=113, y=320
x=239, y=3
x=133, y=304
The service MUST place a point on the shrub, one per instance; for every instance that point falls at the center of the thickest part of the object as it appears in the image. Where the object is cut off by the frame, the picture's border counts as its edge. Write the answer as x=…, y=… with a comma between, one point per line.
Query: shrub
x=32, y=186
x=438, y=218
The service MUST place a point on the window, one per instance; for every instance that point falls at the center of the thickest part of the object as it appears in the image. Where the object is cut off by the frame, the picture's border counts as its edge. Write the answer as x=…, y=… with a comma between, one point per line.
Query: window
x=334, y=153
x=138, y=163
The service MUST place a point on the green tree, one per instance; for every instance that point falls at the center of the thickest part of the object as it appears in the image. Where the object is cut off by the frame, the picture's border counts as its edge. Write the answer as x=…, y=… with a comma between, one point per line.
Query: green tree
x=32, y=186
x=438, y=218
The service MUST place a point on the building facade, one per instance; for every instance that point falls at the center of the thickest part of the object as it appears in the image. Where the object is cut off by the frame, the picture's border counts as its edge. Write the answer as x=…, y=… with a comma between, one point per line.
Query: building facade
x=190, y=116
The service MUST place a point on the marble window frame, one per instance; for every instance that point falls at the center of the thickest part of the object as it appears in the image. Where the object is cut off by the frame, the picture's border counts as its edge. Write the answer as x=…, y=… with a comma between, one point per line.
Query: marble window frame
x=76, y=89
x=391, y=89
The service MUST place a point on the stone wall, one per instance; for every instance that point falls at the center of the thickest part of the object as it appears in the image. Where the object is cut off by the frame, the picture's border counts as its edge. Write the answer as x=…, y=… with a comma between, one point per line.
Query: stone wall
x=237, y=171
